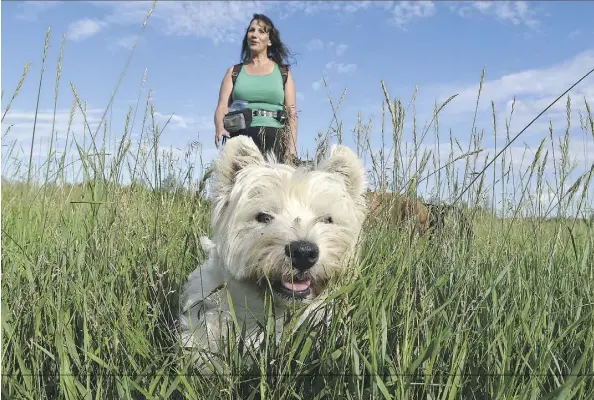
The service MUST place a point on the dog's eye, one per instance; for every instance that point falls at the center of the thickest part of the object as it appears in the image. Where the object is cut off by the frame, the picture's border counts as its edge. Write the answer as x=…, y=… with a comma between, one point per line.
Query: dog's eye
x=264, y=218
x=327, y=220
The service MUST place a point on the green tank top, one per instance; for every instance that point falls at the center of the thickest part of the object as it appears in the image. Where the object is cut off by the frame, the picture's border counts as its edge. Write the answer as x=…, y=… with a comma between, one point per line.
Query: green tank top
x=262, y=92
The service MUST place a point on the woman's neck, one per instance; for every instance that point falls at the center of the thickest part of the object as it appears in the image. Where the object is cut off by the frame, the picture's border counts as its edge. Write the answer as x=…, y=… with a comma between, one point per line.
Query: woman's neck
x=260, y=59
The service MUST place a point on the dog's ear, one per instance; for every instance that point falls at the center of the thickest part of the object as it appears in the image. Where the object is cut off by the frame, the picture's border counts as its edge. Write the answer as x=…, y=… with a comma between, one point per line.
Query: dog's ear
x=238, y=153
x=344, y=162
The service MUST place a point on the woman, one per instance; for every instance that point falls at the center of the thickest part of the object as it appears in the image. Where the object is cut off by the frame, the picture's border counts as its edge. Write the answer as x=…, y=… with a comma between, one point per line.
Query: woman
x=260, y=83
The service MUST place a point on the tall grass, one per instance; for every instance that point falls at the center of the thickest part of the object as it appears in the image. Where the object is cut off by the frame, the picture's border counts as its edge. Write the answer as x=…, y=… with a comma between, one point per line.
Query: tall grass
x=92, y=272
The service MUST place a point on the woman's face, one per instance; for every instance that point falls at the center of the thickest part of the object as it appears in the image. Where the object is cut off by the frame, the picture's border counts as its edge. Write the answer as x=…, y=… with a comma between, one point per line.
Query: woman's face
x=257, y=37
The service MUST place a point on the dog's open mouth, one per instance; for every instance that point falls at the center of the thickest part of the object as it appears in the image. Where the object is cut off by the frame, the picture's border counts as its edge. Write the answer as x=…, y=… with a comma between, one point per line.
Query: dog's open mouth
x=293, y=288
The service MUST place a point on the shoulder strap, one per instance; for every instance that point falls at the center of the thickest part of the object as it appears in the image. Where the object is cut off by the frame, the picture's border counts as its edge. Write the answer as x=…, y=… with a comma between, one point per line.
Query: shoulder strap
x=234, y=73
x=236, y=70
x=284, y=72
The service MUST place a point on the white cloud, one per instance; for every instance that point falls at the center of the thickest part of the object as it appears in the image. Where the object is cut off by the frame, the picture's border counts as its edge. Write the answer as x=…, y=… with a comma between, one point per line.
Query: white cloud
x=341, y=48
x=172, y=121
x=223, y=21
x=127, y=42
x=516, y=12
x=315, y=7
x=21, y=123
x=407, y=11
x=197, y=124
x=533, y=107
x=228, y=22
x=341, y=68
x=337, y=48
x=84, y=29
x=533, y=88
x=317, y=85
x=127, y=12
x=404, y=12
x=354, y=6
x=219, y=21
x=315, y=44
x=30, y=10
x=16, y=144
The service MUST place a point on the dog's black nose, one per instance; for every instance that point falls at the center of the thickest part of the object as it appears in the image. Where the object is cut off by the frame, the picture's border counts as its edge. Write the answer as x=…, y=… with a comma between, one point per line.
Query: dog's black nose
x=303, y=254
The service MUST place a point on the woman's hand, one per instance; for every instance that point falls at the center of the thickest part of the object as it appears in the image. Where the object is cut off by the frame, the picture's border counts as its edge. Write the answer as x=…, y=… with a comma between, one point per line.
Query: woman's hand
x=219, y=136
x=221, y=110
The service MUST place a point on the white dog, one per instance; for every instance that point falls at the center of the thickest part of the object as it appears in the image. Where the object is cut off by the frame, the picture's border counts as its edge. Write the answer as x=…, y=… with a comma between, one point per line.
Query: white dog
x=277, y=229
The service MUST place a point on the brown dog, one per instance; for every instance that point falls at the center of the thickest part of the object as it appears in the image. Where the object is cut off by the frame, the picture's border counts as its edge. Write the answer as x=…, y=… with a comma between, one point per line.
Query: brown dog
x=396, y=208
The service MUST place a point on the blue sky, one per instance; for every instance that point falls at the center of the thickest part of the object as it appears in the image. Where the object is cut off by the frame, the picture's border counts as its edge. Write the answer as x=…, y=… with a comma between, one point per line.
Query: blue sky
x=531, y=50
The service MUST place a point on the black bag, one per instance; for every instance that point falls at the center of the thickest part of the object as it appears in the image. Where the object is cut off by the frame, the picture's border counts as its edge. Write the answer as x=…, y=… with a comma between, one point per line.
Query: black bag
x=237, y=120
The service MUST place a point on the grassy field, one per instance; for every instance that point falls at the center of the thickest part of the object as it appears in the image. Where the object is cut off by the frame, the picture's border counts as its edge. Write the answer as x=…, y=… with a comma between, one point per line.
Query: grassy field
x=91, y=275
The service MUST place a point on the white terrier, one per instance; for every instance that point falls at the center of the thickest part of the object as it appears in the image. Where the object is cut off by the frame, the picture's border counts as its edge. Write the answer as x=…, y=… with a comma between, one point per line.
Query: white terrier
x=276, y=229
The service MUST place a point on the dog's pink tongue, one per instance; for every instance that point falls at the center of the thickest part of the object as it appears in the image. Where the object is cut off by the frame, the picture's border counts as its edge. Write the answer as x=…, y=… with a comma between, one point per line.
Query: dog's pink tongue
x=297, y=286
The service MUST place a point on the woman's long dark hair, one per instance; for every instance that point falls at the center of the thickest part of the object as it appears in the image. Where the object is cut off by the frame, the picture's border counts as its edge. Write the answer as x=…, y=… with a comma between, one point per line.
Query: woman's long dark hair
x=277, y=52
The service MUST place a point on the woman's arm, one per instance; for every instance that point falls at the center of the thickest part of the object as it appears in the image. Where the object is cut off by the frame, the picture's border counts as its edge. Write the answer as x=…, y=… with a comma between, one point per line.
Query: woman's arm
x=222, y=106
x=291, y=110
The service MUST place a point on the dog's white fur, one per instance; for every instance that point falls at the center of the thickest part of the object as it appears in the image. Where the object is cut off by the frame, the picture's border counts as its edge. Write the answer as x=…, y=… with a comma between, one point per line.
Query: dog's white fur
x=325, y=205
